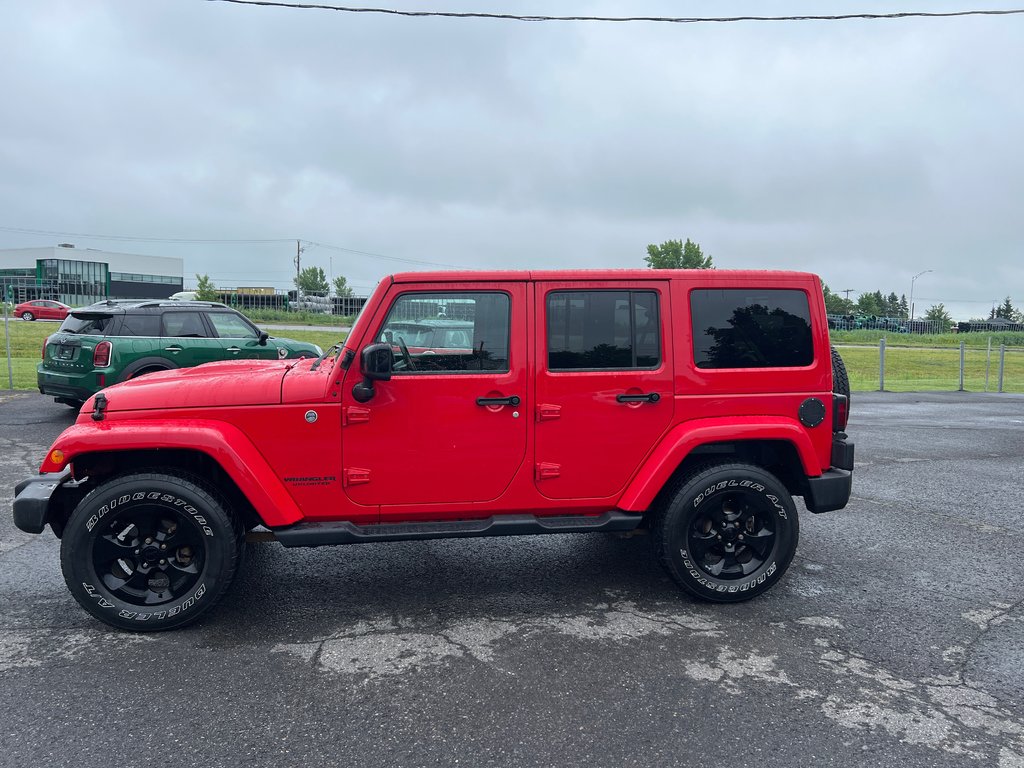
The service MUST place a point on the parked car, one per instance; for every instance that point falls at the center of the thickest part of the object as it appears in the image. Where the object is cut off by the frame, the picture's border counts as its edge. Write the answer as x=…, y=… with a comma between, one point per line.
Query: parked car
x=114, y=341
x=691, y=403
x=41, y=309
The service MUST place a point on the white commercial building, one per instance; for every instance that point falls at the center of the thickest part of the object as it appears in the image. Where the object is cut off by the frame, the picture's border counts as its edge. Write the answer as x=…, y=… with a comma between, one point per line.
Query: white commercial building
x=79, y=276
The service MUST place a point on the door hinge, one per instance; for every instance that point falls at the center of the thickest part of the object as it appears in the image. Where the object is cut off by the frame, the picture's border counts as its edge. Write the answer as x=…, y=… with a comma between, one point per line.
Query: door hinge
x=356, y=476
x=547, y=412
x=548, y=471
x=356, y=415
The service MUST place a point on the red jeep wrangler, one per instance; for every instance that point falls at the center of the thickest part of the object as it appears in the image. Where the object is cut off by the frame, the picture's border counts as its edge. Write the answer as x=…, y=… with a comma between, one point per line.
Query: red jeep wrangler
x=692, y=403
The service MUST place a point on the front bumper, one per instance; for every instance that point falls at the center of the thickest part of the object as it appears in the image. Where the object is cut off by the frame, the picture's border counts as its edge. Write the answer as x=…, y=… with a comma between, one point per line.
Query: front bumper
x=32, y=499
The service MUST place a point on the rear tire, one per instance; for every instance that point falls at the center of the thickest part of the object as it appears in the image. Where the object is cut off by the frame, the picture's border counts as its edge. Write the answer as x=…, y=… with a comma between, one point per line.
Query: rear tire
x=150, y=551
x=726, y=533
x=840, y=379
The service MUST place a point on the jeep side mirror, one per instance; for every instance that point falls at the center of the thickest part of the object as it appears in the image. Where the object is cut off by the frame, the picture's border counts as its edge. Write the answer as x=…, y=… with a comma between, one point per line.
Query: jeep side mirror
x=263, y=338
x=376, y=361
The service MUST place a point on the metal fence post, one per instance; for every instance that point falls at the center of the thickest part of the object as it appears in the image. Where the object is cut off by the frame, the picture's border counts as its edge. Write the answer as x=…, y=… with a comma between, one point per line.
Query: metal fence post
x=881, y=364
x=1002, y=361
x=7, y=337
x=988, y=362
x=963, y=346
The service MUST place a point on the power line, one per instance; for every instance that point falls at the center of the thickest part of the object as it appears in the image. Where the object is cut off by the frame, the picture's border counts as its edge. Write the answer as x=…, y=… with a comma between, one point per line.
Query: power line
x=215, y=241
x=129, y=239
x=382, y=256
x=657, y=19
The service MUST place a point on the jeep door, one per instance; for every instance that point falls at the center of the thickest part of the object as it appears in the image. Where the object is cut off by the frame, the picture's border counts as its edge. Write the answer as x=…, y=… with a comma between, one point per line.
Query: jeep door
x=604, y=383
x=450, y=426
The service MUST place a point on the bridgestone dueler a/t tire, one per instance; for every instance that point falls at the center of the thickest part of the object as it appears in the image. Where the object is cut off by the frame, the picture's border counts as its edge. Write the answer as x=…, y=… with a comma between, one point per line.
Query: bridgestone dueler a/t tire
x=696, y=513
x=192, y=539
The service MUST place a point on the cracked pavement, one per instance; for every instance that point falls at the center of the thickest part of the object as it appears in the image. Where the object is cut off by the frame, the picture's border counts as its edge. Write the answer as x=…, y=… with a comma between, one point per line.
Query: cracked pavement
x=896, y=638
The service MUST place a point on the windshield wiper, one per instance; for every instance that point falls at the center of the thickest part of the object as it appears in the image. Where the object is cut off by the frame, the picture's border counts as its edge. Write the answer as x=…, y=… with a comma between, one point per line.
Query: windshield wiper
x=324, y=354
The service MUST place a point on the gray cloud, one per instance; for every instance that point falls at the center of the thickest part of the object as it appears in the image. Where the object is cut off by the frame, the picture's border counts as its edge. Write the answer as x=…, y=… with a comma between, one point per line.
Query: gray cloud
x=864, y=151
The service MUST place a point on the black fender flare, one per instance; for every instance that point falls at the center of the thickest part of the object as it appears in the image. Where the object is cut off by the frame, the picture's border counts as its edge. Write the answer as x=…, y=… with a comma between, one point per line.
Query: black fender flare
x=146, y=362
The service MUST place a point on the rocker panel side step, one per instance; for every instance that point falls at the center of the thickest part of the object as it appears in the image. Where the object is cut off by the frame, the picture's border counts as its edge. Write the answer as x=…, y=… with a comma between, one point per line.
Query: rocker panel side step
x=318, y=534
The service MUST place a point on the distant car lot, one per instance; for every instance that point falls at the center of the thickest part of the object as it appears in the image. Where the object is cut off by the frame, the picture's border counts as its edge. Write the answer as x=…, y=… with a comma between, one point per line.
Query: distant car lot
x=893, y=640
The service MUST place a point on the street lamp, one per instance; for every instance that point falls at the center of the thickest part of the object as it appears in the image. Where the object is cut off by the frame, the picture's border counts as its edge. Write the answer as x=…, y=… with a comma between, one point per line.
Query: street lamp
x=912, y=281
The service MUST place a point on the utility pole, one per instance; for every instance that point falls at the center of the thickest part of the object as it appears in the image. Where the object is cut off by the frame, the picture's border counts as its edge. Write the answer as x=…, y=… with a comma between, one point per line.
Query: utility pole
x=298, y=262
x=848, y=291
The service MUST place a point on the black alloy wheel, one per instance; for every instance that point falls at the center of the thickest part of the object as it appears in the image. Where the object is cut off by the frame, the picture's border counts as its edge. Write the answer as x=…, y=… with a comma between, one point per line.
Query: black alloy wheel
x=151, y=551
x=726, y=532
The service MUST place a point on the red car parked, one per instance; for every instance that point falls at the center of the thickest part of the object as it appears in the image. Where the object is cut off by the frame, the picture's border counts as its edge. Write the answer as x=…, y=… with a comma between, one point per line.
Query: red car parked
x=41, y=309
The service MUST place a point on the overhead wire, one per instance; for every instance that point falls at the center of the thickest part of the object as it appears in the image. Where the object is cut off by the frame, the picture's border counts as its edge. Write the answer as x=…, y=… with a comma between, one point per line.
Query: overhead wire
x=226, y=241
x=620, y=19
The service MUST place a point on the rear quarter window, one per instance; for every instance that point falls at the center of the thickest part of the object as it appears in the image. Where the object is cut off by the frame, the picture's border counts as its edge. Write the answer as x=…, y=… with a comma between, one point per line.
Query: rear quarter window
x=751, y=328
x=140, y=325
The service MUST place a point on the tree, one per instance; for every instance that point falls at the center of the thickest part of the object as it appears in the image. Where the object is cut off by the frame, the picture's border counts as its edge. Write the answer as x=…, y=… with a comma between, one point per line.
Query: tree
x=871, y=303
x=904, y=307
x=836, y=304
x=892, y=305
x=937, y=314
x=312, y=282
x=205, y=289
x=1007, y=311
x=674, y=254
x=341, y=287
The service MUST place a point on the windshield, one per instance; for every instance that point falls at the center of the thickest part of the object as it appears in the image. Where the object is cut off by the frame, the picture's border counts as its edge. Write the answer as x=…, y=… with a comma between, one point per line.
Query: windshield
x=96, y=324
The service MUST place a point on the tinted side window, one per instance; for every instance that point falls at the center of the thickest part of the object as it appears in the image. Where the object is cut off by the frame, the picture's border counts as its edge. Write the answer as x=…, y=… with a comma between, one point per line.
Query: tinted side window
x=751, y=328
x=602, y=330
x=140, y=325
x=449, y=332
x=183, y=324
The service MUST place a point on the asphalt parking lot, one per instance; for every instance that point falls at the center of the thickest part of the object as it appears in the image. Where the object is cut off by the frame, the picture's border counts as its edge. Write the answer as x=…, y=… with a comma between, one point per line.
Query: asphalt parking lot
x=896, y=638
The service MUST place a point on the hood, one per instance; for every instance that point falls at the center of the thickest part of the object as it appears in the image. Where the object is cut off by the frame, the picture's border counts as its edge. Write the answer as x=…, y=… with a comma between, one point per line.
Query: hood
x=222, y=384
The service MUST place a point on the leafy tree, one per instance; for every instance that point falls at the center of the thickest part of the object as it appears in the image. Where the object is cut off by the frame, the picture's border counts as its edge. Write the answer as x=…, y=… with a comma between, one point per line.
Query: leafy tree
x=205, y=289
x=341, y=287
x=836, y=304
x=871, y=303
x=674, y=254
x=937, y=314
x=312, y=282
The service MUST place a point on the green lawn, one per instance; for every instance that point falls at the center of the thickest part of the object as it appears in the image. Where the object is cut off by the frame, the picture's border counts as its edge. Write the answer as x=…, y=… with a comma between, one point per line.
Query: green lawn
x=917, y=369
x=26, y=340
x=913, y=362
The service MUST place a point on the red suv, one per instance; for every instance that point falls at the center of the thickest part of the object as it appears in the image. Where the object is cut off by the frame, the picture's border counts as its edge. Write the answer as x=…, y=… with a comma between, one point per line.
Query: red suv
x=693, y=404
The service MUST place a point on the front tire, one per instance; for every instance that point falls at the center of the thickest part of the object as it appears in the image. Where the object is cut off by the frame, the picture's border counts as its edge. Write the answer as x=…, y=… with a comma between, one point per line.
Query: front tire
x=150, y=551
x=27, y=316
x=727, y=533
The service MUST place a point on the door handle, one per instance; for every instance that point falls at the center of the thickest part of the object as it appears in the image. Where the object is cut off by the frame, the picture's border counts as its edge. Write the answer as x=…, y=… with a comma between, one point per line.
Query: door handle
x=651, y=397
x=485, y=401
x=173, y=349
x=234, y=350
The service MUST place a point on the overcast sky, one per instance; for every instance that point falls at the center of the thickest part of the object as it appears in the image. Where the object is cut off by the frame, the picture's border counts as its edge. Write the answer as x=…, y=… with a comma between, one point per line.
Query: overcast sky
x=864, y=151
